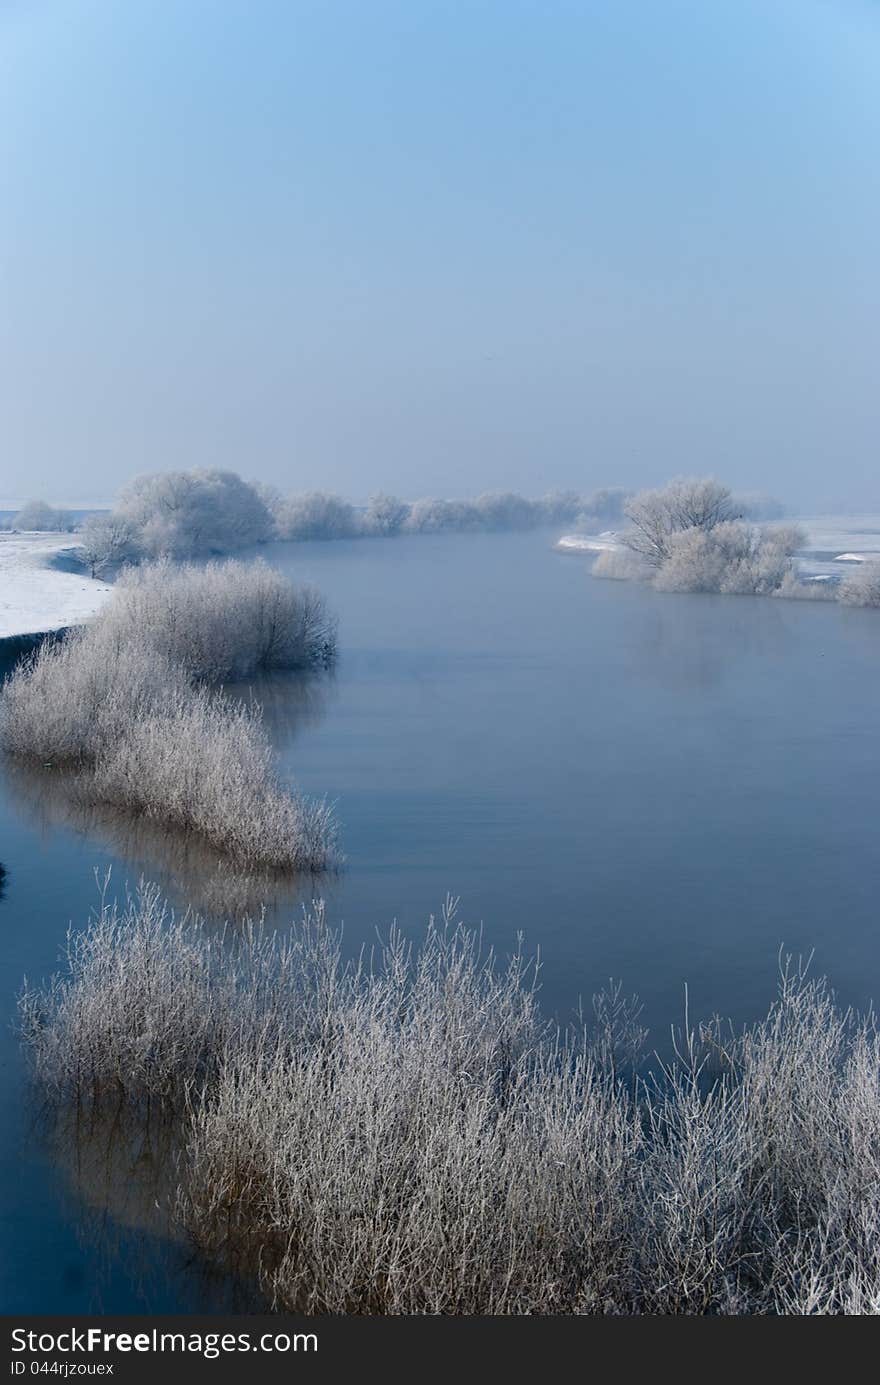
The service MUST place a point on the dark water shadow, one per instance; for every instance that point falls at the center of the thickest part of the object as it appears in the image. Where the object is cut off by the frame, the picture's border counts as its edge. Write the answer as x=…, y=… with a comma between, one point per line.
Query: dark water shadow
x=123, y=1168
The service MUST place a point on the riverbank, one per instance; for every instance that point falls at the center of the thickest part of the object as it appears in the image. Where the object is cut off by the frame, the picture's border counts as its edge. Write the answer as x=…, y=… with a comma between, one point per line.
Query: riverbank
x=37, y=597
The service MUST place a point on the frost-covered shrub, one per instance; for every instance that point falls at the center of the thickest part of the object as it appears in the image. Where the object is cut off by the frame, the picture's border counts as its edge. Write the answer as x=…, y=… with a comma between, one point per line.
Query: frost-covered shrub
x=204, y=764
x=36, y=515
x=316, y=516
x=224, y=620
x=730, y=557
x=70, y=700
x=409, y=1136
x=122, y=702
x=862, y=586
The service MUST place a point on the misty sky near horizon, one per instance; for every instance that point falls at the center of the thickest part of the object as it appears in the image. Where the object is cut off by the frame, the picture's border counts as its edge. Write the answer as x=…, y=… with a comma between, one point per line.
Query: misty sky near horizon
x=439, y=248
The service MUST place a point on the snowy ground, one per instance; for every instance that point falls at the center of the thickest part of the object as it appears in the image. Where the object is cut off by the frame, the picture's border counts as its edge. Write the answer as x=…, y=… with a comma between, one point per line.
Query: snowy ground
x=837, y=542
x=34, y=596
x=834, y=543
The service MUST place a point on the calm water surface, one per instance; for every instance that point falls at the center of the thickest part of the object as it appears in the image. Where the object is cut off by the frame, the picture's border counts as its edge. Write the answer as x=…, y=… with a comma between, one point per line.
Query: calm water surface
x=660, y=788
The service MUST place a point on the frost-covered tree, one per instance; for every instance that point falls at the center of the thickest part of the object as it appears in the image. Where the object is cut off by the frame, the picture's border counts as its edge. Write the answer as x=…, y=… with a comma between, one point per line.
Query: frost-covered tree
x=189, y=514
x=105, y=541
x=656, y=515
x=316, y=515
x=36, y=515
x=385, y=514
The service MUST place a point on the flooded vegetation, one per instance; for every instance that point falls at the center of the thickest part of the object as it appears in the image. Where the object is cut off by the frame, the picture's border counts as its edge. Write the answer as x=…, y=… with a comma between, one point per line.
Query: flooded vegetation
x=403, y=1133
x=153, y=1106
x=129, y=705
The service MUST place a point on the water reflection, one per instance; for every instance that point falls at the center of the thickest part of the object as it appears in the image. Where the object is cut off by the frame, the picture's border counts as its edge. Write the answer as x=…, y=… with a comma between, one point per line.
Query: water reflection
x=290, y=702
x=695, y=643
x=190, y=871
x=123, y=1168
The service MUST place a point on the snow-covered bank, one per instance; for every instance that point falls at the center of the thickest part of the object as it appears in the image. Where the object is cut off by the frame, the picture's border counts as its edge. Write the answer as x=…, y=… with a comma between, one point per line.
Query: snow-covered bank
x=36, y=597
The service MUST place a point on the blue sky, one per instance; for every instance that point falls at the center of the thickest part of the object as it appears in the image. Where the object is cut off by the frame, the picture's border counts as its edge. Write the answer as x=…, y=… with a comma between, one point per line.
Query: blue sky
x=441, y=247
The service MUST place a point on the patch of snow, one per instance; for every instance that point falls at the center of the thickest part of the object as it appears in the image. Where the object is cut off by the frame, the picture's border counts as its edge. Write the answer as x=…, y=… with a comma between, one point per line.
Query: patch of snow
x=35, y=597
x=851, y=558
x=587, y=543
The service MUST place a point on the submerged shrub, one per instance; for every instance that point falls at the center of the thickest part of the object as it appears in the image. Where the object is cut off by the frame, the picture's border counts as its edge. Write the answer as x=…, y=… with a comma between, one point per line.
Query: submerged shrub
x=126, y=701
x=410, y=1137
